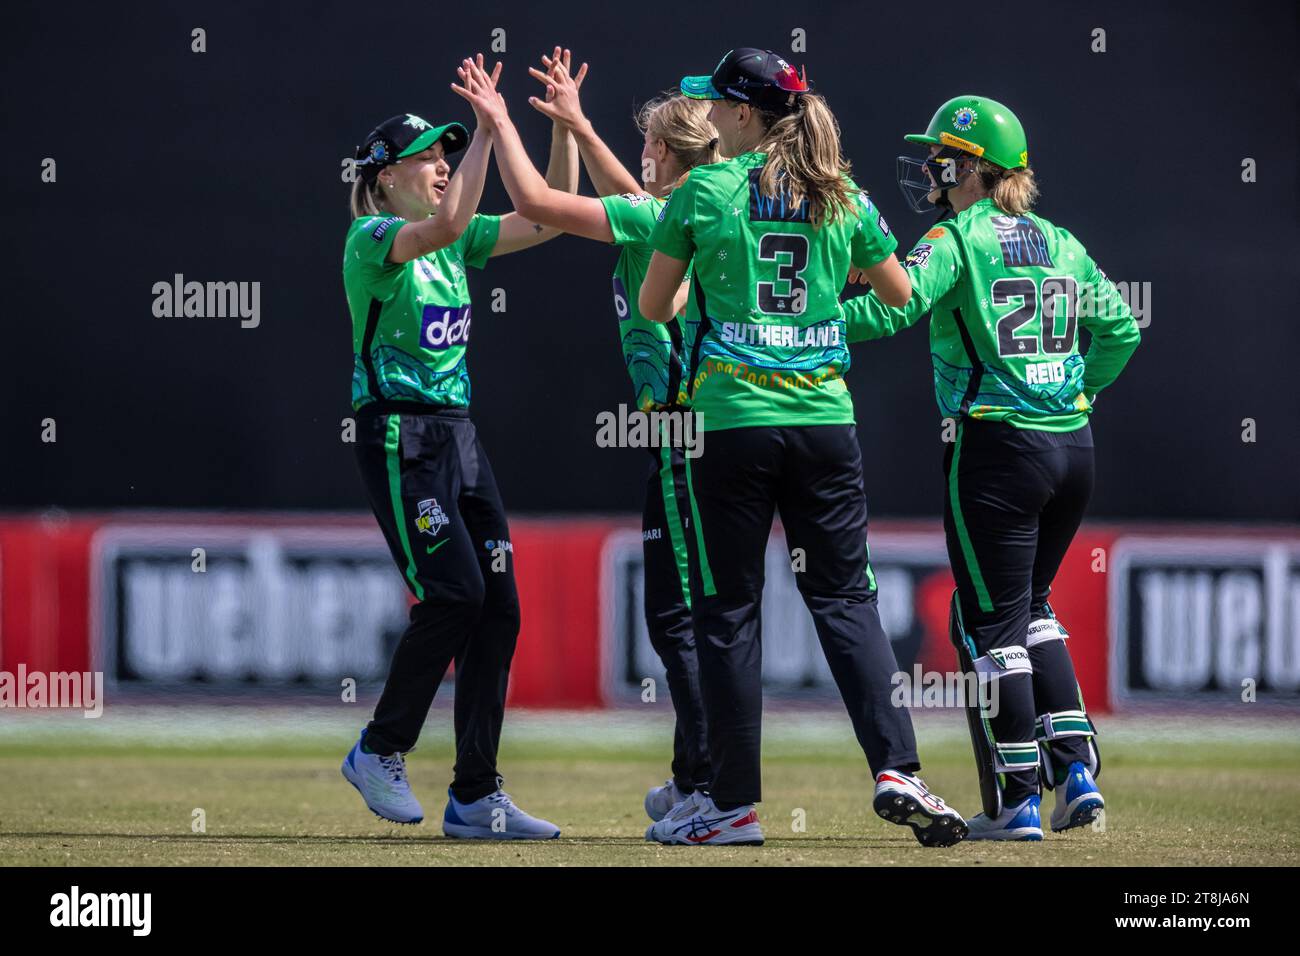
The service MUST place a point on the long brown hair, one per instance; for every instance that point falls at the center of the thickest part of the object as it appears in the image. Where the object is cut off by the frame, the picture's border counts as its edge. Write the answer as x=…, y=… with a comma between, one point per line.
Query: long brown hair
x=804, y=159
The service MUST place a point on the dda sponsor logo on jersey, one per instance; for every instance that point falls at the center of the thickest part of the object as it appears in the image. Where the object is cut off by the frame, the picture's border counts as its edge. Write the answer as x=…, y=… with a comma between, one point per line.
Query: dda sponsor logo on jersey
x=444, y=326
x=431, y=518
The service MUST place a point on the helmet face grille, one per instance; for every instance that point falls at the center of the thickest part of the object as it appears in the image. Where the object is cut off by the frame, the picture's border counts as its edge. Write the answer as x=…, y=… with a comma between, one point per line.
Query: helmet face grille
x=915, y=183
x=918, y=177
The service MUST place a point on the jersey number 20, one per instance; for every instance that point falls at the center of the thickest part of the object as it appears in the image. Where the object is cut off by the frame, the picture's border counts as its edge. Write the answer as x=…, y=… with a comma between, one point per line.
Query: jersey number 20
x=1053, y=290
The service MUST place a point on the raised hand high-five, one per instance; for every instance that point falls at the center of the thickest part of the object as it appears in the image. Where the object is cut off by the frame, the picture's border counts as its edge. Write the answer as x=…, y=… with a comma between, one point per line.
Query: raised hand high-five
x=563, y=105
x=561, y=102
x=480, y=89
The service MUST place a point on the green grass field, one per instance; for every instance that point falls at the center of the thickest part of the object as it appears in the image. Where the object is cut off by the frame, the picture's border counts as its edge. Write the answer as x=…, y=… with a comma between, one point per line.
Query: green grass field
x=122, y=790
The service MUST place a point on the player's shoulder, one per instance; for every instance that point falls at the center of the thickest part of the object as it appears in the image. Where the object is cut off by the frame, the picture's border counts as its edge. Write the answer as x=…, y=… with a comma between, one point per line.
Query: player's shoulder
x=719, y=174
x=943, y=234
x=709, y=179
x=940, y=241
x=1066, y=245
x=1063, y=236
x=371, y=228
x=863, y=209
x=632, y=202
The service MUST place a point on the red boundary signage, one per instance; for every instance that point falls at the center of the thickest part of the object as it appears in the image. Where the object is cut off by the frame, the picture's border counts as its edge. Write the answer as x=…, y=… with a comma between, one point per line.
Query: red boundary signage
x=54, y=594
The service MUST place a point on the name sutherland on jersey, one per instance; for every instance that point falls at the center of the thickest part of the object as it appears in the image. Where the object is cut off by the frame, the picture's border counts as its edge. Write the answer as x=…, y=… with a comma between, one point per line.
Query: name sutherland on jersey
x=752, y=333
x=209, y=300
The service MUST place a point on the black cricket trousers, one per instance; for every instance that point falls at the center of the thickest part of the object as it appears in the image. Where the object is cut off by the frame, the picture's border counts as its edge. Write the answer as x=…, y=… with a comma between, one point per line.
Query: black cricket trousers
x=432, y=489
x=665, y=523
x=812, y=476
x=1015, y=498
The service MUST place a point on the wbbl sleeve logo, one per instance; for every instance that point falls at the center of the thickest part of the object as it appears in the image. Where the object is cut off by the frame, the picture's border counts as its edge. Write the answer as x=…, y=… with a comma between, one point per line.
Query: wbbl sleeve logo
x=431, y=517
x=444, y=326
x=919, y=257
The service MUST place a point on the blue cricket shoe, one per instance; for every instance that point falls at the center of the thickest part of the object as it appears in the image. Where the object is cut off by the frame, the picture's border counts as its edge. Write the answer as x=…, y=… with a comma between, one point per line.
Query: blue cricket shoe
x=1013, y=823
x=1078, y=801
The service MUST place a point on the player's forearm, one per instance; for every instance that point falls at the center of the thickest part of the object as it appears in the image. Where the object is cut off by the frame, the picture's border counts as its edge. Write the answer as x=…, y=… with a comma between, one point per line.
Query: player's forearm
x=681, y=297
x=867, y=318
x=608, y=175
x=460, y=201
x=1107, y=356
x=659, y=289
x=562, y=169
x=527, y=189
x=1115, y=336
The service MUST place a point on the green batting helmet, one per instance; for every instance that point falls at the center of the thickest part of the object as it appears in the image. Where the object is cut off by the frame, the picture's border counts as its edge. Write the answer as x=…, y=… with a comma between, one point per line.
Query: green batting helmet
x=981, y=126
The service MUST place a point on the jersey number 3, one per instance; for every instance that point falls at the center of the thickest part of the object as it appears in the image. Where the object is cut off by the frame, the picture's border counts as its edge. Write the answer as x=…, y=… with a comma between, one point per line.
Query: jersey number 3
x=793, y=291
x=1053, y=290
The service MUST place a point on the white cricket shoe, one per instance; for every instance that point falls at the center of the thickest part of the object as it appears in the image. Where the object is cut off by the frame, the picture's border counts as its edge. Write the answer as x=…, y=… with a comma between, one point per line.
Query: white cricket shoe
x=382, y=783
x=1020, y=822
x=494, y=817
x=697, y=821
x=1078, y=801
x=659, y=800
x=904, y=799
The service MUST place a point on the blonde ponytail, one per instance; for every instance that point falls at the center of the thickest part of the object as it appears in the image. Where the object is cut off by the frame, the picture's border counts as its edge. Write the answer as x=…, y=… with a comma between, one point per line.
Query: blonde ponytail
x=804, y=159
x=683, y=126
x=366, y=200
x=1014, y=191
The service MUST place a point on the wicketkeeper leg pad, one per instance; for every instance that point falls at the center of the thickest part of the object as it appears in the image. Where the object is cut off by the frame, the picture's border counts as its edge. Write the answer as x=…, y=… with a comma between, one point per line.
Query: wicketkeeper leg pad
x=1063, y=729
x=999, y=715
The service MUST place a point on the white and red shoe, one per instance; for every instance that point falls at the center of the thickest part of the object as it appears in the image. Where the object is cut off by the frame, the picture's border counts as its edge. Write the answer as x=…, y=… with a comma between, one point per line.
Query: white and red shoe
x=697, y=821
x=904, y=799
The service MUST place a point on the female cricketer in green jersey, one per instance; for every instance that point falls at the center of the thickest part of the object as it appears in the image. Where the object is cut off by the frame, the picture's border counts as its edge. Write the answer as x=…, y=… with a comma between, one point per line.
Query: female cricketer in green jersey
x=770, y=236
x=1007, y=291
x=414, y=232
x=677, y=138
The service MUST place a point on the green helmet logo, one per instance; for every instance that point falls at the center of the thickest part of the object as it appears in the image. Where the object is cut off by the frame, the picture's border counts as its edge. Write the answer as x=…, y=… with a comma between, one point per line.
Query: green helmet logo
x=980, y=126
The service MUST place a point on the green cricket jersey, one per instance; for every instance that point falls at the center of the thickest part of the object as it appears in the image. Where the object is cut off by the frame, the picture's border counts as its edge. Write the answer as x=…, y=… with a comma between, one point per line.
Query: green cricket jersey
x=771, y=346
x=653, y=351
x=1007, y=295
x=410, y=320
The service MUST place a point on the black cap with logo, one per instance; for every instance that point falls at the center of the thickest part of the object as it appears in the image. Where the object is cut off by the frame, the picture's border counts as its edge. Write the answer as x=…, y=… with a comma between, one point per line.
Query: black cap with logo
x=760, y=78
x=405, y=135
